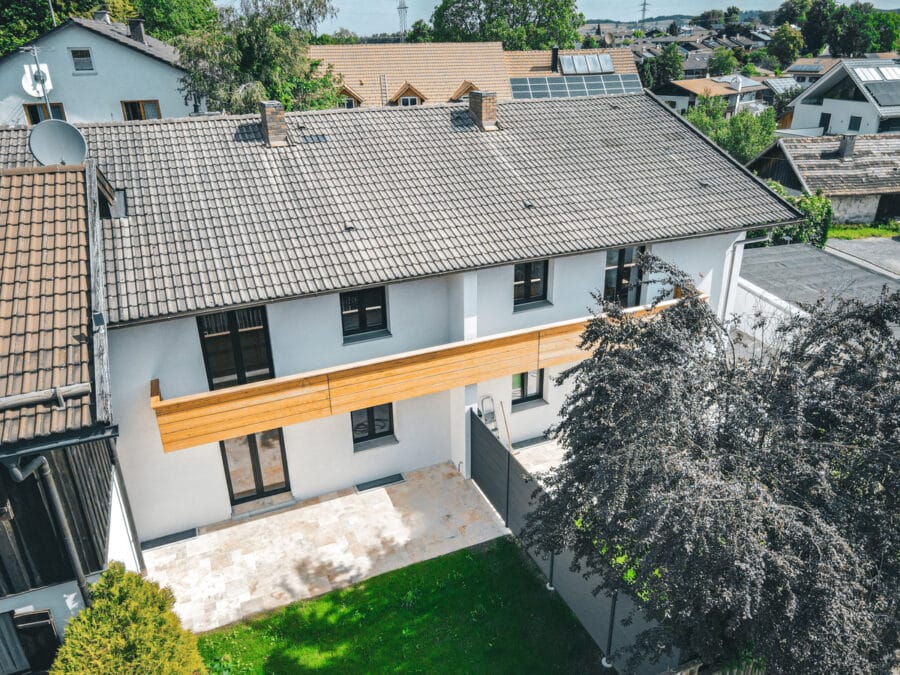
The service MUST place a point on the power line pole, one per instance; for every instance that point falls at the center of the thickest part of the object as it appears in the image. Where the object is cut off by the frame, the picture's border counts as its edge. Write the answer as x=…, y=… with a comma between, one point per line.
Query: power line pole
x=643, y=14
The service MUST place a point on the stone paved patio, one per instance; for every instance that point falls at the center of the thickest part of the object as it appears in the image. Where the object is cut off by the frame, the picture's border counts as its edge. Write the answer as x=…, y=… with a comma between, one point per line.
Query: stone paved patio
x=228, y=573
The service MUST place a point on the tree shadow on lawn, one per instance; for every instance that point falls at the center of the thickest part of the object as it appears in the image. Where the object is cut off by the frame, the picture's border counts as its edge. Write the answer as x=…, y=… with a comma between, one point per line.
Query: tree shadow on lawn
x=480, y=610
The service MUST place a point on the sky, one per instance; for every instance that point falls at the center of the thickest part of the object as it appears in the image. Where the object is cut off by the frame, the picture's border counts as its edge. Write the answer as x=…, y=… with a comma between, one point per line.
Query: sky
x=366, y=17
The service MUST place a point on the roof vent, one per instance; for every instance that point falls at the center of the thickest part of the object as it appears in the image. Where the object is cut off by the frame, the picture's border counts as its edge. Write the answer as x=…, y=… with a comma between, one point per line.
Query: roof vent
x=136, y=29
x=102, y=15
x=483, y=109
x=272, y=124
x=554, y=60
x=845, y=150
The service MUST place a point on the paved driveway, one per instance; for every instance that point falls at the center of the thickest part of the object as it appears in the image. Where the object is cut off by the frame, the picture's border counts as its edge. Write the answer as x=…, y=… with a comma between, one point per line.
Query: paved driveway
x=328, y=542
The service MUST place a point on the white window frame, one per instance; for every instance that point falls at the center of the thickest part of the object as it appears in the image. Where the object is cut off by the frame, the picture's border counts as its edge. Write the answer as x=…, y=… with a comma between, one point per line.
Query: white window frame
x=415, y=101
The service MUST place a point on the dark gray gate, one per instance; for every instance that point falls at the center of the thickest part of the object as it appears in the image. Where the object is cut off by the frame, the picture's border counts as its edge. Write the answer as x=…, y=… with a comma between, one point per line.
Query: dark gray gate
x=490, y=466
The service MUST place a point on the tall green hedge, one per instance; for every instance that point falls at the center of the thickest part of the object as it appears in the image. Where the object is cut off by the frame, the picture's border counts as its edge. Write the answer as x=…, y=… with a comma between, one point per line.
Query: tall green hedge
x=130, y=628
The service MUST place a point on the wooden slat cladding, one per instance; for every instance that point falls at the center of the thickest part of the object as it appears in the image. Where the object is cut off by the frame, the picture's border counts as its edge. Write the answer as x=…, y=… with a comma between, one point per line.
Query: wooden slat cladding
x=188, y=421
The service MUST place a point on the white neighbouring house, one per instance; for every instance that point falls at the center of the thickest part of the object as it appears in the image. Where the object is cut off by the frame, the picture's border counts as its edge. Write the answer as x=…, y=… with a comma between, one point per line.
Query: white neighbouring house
x=860, y=96
x=100, y=71
x=319, y=302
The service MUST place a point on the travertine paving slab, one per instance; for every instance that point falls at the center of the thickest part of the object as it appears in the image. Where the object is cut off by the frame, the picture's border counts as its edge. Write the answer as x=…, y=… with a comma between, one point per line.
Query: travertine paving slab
x=230, y=572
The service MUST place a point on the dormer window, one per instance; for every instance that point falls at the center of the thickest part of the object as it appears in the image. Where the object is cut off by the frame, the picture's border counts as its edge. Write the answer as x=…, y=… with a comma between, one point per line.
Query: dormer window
x=347, y=98
x=462, y=92
x=348, y=103
x=407, y=95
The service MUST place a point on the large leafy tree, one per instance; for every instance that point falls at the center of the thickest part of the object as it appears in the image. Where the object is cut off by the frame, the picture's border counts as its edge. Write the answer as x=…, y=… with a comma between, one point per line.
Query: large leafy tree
x=257, y=52
x=819, y=19
x=420, y=32
x=23, y=20
x=859, y=28
x=709, y=18
x=792, y=11
x=722, y=62
x=665, y=68
x=747, y=500
x=786, y=44
x=743, y=135
x=167, y=19
x=519, y=24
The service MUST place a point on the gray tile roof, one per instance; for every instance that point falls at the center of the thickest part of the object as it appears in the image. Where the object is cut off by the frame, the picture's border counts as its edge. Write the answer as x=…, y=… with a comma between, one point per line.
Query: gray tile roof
x=216, y=219
x=872, y=168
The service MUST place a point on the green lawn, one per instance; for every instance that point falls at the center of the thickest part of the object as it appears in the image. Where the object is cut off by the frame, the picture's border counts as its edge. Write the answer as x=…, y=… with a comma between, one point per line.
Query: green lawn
x=482, y=610
x=850, y=231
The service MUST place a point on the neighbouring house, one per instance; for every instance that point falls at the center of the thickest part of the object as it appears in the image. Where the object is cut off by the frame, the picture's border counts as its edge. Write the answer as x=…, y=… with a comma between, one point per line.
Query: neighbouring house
x=855, y=96
x=860, y=174
x=738, y=90
x=99, y=71
x=409, y=74
x=321, y=302
x=808, y=70
x=63, y=507
x=696, y=65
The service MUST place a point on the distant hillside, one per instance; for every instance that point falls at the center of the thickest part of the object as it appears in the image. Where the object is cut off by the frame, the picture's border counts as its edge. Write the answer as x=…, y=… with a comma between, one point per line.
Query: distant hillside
x=669, y=17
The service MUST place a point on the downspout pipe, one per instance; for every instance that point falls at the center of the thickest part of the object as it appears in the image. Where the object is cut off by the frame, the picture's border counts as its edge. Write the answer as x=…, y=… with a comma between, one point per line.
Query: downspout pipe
x=733, y=251
x=39, y=464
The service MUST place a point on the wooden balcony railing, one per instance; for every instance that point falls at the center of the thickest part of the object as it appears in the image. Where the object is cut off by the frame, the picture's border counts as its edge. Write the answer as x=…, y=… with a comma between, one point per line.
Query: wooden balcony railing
x=192, y=420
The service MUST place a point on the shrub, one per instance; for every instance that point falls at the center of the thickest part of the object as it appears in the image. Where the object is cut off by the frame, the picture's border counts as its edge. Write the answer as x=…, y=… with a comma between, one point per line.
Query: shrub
x=130, y=628
x=817, y=212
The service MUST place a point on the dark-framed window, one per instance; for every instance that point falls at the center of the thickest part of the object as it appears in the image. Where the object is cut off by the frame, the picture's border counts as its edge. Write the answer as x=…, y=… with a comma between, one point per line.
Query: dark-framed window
x=371, y=423
x=236, y=347
x=622, y=278
x=363, y=311
x=255, y=465
x=81, y=59
x=530, y=282
x=35, y=113
x=855, y=122
x=140, y=110
x=825, y=122
x=528, y=386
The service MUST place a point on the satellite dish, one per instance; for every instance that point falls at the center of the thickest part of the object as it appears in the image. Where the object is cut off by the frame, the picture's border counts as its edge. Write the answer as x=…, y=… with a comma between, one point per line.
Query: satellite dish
x=57, y=142
x=36, y=80
x=609, y=38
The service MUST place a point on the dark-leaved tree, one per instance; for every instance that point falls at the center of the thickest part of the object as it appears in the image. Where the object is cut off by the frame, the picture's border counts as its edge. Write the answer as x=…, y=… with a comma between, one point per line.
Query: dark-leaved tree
x=746, y=500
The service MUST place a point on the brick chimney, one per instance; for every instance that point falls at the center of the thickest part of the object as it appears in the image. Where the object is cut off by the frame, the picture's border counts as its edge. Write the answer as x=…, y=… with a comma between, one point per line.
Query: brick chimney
x=102, y=15
x=483, y=109
x=272, y=125
x=136, y=29
x=845, y=150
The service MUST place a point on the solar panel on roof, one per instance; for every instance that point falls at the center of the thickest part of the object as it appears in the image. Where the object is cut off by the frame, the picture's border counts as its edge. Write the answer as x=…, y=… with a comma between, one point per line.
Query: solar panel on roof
x=806, y=68
x=574, y=85
x=885, y=93
x=581, y=66
x=890, y=72
x=868, y=74
x=606, y=64
x=566, y=65
x=593, y=63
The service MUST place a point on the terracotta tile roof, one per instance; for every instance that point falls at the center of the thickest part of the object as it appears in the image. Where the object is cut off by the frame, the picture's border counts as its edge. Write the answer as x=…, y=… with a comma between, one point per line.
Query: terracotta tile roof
x=707, y=87
x=537, y=63
x=436, y=69
x=44, y=299
x=379, y=195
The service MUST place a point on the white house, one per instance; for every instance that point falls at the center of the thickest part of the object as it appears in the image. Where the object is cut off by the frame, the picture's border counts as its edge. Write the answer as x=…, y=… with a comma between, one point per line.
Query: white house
x=99, y=71
x=306, y=302
x=856, y=96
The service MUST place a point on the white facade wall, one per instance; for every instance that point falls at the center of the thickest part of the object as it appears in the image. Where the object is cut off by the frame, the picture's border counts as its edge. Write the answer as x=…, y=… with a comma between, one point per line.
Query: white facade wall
x=121, y=546
x=855, y=208
x=120, y=74
x=176, y=491
x=807, y=116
